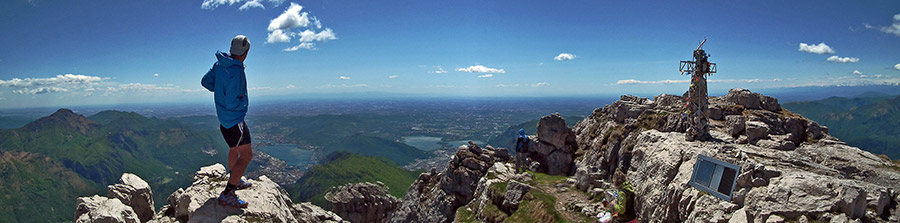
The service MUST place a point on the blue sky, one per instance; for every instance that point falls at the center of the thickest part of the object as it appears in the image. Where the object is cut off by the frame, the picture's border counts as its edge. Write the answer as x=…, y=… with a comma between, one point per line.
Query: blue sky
x=63, y=53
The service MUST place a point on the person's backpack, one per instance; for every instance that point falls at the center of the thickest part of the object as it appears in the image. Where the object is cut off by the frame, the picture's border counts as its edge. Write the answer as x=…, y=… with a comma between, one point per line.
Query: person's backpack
x=521, y=145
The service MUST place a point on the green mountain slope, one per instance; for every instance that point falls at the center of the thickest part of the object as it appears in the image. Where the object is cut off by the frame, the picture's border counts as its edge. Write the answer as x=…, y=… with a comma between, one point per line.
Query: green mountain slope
x=374, y=146
x=33, y=180
x=344, y=168
x=100, y=149
x=871, y=123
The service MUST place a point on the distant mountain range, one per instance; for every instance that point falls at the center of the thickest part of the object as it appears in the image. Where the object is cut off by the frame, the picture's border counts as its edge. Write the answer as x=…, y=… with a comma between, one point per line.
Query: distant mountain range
x=66, y=155
x=870, y=121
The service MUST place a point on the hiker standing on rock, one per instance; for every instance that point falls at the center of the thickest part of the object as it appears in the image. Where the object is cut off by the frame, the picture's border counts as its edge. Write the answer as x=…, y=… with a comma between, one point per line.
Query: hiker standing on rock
x=227, y=80
x=521, y=148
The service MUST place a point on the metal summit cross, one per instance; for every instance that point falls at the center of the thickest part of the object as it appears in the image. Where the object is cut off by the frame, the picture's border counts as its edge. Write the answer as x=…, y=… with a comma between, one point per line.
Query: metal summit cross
x=697, y=107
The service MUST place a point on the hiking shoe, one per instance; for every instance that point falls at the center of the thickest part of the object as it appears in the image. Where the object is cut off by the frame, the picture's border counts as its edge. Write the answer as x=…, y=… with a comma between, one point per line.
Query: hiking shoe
x=232, y=200
x=243, y=185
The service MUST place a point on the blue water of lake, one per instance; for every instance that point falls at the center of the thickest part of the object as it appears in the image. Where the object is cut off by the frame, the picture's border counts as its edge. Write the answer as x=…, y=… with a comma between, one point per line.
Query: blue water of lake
x=291, y=154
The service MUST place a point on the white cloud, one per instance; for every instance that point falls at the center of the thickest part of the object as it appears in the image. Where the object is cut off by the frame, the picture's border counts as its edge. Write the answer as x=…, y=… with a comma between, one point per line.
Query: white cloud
x=290, y=86
x=486, y=76
x=439, y=71
x=40, y=90
x=343, y=86
x=278, y=36
x=636, y=82
x=894, y=28
x=251, y=4
x=480, y=69
x=309, y=35
x=565, y=56
x=820, y=48
x=212, y=4
x=344, y=78
x=393, y=76
x=838, y=59
x=897, y=66
x=290, y=18
x=308, y=46
x=156, y=75
x=60, y=83
x=540, y=84
x=293, y=17
x=856, y=72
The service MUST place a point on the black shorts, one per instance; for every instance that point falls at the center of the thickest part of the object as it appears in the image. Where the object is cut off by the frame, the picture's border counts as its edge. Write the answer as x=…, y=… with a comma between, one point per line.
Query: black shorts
x=237, y=135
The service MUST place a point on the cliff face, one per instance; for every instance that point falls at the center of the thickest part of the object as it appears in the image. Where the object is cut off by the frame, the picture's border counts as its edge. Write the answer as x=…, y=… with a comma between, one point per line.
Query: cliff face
x=791, y=169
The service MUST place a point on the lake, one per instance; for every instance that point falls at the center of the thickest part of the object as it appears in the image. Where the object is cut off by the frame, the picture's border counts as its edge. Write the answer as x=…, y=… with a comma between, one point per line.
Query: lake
x=291, y=154
x=429, y=143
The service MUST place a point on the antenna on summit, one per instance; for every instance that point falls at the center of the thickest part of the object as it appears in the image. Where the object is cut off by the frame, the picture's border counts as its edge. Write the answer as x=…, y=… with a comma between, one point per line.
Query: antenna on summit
x=697, y=105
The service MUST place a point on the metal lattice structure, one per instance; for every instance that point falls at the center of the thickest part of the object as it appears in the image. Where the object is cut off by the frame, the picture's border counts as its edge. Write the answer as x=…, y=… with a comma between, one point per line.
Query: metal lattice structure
x=697, y=107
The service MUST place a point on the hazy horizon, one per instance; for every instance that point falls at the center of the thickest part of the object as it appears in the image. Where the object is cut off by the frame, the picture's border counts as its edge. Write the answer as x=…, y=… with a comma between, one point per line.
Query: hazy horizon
x=112, y=52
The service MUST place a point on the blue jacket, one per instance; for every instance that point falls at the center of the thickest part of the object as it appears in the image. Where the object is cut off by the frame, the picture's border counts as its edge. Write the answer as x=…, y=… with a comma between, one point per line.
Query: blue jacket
x=226, y=79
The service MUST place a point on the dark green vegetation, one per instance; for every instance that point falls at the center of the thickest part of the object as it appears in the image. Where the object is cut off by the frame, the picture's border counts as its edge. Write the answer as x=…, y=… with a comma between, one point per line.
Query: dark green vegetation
x=344, y=168
x=870, y=121
x=507, y=139
x=33, y=180
x=101, y=147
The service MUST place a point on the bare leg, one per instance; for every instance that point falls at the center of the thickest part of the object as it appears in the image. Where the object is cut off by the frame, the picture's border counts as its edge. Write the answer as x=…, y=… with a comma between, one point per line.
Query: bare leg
x=241, y=163
x=233, y=155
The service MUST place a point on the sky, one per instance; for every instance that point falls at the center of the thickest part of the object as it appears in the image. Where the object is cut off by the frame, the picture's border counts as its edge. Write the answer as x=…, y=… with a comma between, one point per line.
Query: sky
x=65, y=53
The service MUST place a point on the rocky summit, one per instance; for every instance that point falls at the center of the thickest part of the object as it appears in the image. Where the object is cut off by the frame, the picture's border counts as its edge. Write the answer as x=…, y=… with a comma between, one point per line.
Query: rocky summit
x=197, y=203
x=791, y=170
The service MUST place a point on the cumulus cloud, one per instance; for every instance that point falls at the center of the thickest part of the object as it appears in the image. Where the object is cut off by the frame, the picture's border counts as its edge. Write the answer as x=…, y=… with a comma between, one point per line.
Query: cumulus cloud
x=564, y=56
x=278, y=36
x=480, y=69
x=156, y=75
x=393, y=76
x=894, y=28
x=820, y=48
x=439, y=71
x=290, y=18
x=897, y=66
x=293, y=17
x=251, y=4
x=290, y=86
x=344, y=78
x=856, y=72
x=485, y=76
x=308, y=46
x=309, y=35
x=637, y=82
x=837, y=59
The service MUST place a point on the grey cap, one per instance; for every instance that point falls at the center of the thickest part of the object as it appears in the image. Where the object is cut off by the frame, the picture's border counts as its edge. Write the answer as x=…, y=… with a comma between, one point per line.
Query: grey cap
x=239, y=45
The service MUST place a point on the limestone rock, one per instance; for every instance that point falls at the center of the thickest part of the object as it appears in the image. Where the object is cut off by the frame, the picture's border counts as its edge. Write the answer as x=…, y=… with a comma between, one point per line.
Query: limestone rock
x=514, y=193
x=362, y=202
x=435, y=197
x=103, y=210
x=750, y=100
x=756, y=130
x=554, y=147
x=134, y=192
x=308, y=213
x=734, y=125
